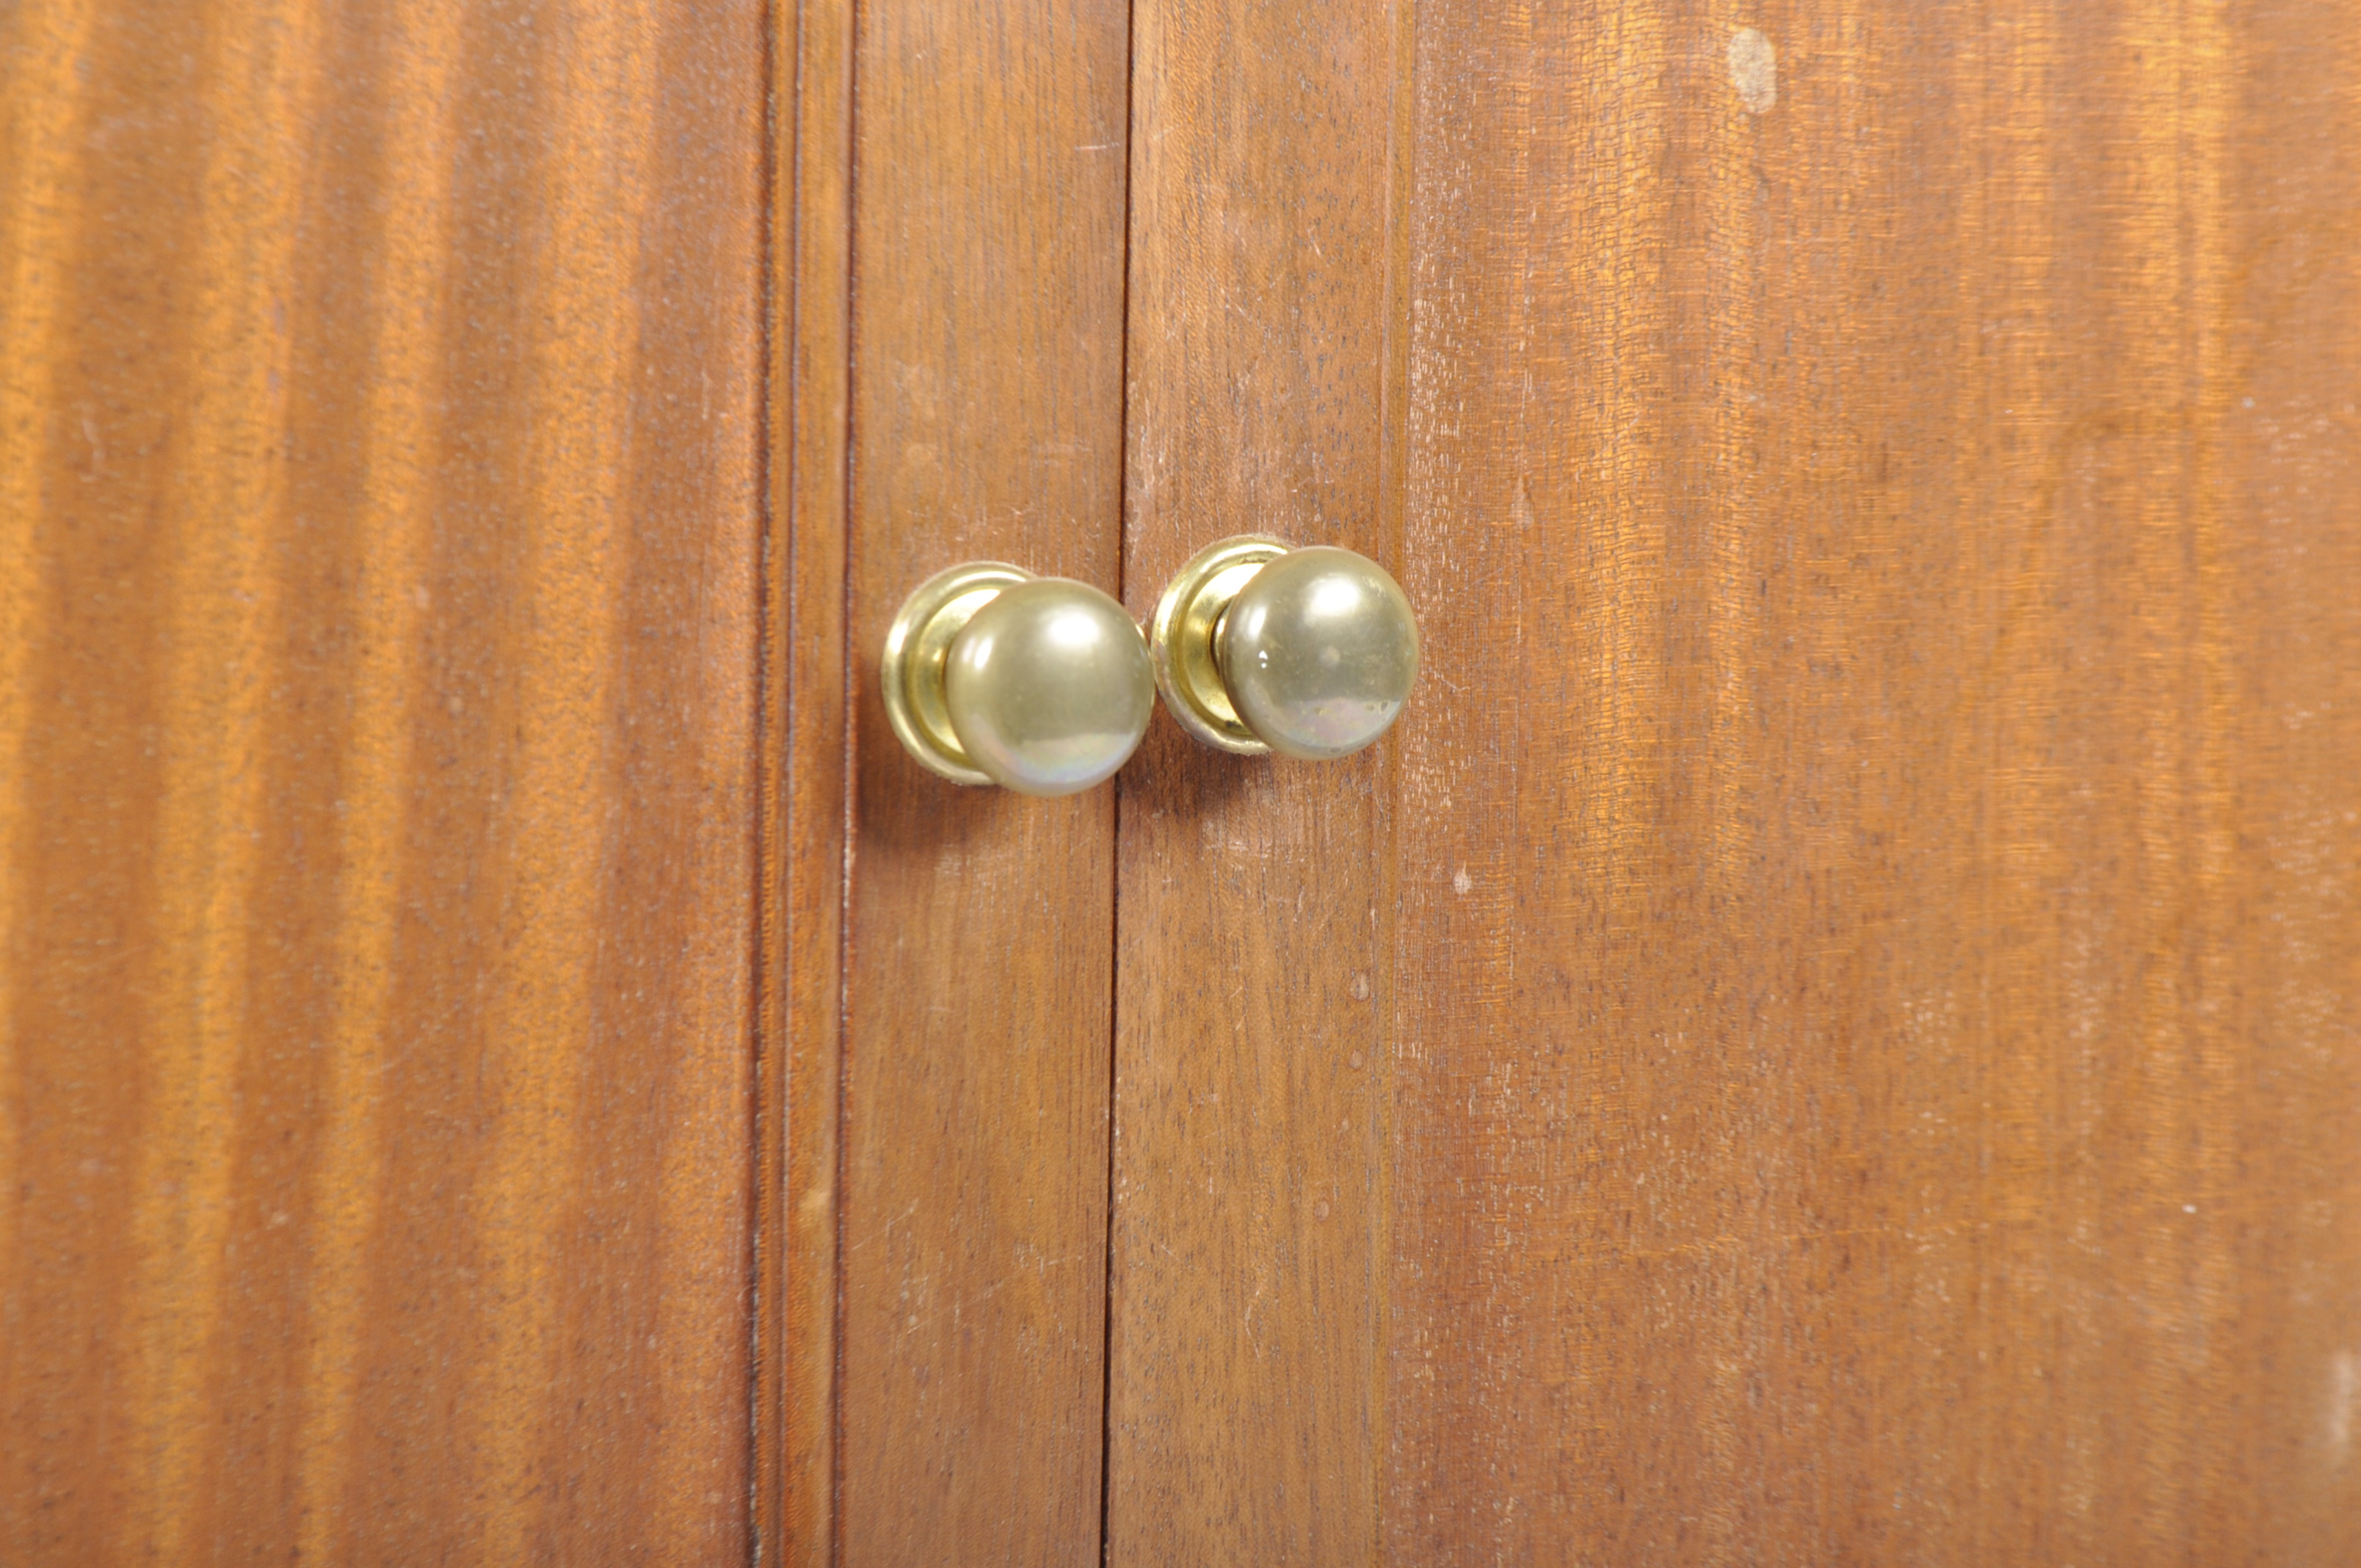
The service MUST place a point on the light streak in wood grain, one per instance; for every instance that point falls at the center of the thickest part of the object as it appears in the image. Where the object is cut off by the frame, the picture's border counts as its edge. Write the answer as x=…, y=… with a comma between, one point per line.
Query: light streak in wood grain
x=1740, y=515
x=2229, y=1501
x=2169, y=234
x=225, y=493
x=560, y=836
x=1615, y=227
x=2019, y=1099
x=407, y=320
x=711, y=1096
x=41, y=108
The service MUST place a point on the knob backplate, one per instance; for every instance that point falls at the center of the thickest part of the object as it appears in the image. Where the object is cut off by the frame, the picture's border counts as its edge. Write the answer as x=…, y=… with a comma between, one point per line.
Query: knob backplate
x=917, y=646
x=1181, y=639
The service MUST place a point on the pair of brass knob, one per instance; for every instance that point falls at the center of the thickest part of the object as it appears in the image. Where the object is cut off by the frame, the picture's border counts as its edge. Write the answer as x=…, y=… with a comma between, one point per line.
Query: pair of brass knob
x=1044, y=686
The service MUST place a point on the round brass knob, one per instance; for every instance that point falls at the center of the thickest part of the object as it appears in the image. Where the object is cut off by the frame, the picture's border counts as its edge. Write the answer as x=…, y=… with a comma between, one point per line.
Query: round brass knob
x=1038, y=685
x=1307, y=653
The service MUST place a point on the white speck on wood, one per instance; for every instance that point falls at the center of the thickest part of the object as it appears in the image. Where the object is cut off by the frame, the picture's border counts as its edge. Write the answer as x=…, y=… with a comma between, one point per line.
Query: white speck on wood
x=2343, y=1396
x=1754, y=70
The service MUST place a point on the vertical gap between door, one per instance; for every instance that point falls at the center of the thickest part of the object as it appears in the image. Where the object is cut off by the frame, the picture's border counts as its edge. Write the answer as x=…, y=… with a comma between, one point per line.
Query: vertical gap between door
x=766, y=1164
x=1115, y=857
x=851, y=803
x=1393, y=536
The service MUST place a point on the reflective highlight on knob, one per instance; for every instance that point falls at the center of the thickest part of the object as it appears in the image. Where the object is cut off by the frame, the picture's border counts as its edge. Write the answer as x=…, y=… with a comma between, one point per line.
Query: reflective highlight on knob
x=1040, y=684
x=1318, y=650
x=1260, y=648
x=1049, y=688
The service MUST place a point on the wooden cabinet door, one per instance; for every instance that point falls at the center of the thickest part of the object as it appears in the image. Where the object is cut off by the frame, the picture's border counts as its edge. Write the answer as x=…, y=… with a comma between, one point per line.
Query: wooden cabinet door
x=1829, y=1033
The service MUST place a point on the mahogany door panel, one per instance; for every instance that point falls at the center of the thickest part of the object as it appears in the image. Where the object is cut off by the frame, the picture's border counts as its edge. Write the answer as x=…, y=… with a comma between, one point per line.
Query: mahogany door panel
x=380, y=534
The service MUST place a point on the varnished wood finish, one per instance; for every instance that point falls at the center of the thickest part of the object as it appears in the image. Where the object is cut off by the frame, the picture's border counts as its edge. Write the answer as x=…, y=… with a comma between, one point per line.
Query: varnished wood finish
x=1244, y=1409
x=379, y=412
x=986, y=421
x=1831, y=1032
x=1860, y=921
x=1877, y=971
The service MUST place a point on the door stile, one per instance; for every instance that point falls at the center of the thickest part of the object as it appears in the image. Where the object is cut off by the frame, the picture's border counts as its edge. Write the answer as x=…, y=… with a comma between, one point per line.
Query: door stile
x=968, y=994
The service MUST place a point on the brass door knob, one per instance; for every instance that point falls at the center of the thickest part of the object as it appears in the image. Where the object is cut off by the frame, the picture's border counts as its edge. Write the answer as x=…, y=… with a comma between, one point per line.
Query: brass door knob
x=1259, y=647
x=1038, y=685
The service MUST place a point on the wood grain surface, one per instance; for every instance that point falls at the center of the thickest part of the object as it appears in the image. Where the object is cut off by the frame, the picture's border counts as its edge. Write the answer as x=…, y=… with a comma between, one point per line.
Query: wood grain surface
x=1877, y=964
x=1831, y=1032
x=378, y=543
x=986, y=418
x=1856, y=937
